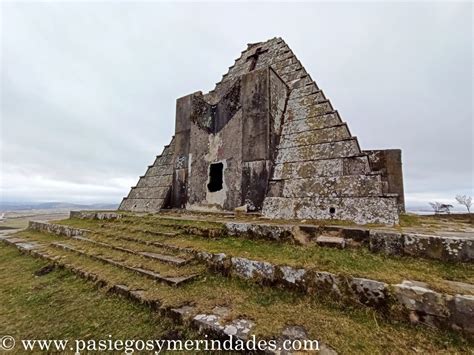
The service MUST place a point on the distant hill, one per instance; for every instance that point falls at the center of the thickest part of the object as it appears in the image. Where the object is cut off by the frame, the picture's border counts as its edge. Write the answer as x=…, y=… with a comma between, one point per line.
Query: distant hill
x=24, y=206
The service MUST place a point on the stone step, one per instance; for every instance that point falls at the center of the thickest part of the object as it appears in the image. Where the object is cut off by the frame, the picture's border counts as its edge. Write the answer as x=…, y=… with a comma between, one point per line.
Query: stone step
x=214, y=323
x=347, y=288
x=164, y=234
x=142, y=204
x=155, y=181
x=312, y=98
x=159, y=170
x=366, y=291
x=348, y=185
x=308, y=123
x=340, y=149
x=331, y=242
x=297, y=83
x=315, y=136
x=302, y=111
x=164, y=258
x=149, y=192
x=148, y=230
x=324, y=167
x=173, y=281
x=156, y=256
x=304, y=91
x=156, y=244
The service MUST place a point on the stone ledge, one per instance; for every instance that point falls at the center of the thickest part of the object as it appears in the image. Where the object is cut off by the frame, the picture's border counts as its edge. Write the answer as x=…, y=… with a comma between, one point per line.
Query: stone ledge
x=105, y=215
x=420, y=245
x=452, y=249
x=422, y=305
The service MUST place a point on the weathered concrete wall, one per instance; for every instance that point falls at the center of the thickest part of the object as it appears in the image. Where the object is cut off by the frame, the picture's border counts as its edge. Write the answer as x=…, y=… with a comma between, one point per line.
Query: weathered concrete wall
x=256, y=116
x=389, y=163
x=224, y=147
x=180, y=158
x=278, y=102
x=243, y=142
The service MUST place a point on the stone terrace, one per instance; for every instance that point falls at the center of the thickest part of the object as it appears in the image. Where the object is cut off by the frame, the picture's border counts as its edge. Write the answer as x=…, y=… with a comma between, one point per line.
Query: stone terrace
x=191, y=268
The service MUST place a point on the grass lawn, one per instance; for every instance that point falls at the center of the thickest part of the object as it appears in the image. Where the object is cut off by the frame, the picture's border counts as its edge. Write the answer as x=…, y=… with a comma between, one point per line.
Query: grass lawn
x=60, y=305
x=63, y=306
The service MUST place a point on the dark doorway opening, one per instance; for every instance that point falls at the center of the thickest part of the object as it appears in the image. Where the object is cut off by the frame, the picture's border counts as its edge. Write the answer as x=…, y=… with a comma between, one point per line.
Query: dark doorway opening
x=215, y=177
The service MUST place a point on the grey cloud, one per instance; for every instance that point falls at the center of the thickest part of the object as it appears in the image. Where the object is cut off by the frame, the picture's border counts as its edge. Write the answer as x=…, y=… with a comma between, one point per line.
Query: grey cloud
x=89, y=89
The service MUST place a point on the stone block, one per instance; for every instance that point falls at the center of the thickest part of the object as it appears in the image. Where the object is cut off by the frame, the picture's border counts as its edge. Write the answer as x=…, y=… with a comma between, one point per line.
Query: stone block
x=369, y=292
x=304, y=170
x=331, y=242
x=422, y=300
x=155, y=181
x=361, y=210
x=303, y=91
x=436, y=247
x=317, y=136
x=292, y=276
x=159, y=170
x=315, y=97
x=265, y=231
x=142, y=205
x=252, y=269
x=390, y=243
x=462, y=313
x=339, y=149
x=149, y=192
x=303, y=124
x=350, y=185
x=325, y=283
x=356, y=165
x=300, y=112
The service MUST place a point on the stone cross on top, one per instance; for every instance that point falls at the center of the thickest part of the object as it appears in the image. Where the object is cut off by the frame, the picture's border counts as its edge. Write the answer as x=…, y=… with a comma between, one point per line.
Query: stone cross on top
x=254, y=57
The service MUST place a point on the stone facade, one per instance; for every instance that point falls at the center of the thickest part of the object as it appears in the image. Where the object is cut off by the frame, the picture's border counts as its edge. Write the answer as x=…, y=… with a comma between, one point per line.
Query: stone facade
x=268, y=138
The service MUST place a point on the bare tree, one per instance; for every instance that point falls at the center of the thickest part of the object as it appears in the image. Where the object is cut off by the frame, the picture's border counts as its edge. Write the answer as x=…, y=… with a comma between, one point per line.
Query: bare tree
x=435, y=206
x=465, y=201
x=440, y=207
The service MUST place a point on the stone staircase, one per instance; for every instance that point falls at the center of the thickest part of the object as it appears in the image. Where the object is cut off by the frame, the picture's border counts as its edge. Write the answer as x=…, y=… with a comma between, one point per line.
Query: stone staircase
x=320, y=171
x=153, y=189
x=83, y=251
x=179, y=254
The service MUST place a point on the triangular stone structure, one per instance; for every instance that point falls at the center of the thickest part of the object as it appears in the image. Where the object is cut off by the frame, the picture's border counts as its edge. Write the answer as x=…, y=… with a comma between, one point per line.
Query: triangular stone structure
x=268, y=138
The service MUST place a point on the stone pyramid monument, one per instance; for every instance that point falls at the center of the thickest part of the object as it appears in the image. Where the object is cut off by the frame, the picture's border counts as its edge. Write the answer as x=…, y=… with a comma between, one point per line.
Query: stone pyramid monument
x=268, y=139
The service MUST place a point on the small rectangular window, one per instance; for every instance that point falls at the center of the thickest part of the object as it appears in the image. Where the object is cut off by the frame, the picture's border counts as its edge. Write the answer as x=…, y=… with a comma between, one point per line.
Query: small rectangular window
x=215, y=177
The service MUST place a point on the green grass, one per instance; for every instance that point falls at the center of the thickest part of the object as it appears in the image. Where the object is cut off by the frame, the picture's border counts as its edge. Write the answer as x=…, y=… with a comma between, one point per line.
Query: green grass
x=433, y=223
x=59, y=305
x=356, y=262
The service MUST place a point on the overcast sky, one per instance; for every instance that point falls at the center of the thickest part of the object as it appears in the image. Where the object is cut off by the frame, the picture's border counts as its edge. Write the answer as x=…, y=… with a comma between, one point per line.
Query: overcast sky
x=88, y=89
